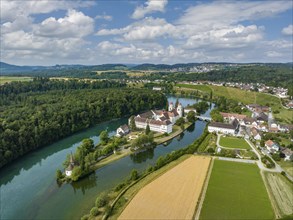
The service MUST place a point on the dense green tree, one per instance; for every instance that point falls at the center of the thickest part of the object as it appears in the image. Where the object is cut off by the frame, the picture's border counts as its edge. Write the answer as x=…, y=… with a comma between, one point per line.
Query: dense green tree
x=191, y=116
x=134, y=175
x=180, y=121
x=147, y=130
x=76, y=173
x=33, y=119
x=104, y=137
x=132, y=123
x=102, y=200
x=59, y=174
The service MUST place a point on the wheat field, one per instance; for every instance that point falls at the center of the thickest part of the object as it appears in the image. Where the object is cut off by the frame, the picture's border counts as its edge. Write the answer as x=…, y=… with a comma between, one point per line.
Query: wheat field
x=174, y=195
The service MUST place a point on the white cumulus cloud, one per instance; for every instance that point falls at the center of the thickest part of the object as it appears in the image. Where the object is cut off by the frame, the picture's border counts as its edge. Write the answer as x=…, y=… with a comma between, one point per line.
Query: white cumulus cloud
x=74, y=24
x=149, y=7
x=288, y=30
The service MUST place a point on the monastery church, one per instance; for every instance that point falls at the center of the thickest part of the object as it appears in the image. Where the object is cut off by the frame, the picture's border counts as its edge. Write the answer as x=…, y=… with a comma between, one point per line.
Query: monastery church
x=159, y=120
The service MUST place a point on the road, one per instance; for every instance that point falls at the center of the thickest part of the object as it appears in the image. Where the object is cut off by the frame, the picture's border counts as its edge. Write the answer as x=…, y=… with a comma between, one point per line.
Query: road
x=205, y=187
x=276, y=169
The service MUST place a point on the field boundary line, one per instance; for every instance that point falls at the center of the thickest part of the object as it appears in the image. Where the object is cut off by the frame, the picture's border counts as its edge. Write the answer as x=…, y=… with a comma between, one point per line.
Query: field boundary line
x=271, y=196
x=204, y=190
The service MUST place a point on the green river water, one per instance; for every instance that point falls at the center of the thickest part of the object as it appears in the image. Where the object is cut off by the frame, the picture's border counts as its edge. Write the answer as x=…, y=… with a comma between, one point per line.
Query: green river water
x=28, y=189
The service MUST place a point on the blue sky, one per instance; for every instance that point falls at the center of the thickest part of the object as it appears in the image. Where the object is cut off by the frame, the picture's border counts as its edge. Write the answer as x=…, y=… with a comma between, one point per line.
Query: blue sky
x=48, y=32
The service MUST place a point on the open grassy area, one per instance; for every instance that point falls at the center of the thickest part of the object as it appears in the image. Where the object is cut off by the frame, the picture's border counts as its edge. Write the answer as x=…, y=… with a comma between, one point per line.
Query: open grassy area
x=281, y=191
x=233, y=142
x=236, y=191
x=204, y=88
x=208, y=142
x=7, y=79
x=287, y=166
x=247, y=97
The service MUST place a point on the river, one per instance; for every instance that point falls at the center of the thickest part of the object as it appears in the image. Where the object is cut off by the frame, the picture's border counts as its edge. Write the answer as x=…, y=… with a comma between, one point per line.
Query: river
x=28, y=189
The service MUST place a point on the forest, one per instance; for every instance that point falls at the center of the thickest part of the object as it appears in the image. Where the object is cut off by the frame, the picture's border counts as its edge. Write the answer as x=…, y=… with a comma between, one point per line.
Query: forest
x=36, y=118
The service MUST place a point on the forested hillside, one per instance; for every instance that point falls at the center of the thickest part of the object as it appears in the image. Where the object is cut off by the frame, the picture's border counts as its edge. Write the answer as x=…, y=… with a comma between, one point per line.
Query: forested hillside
x=31, y=120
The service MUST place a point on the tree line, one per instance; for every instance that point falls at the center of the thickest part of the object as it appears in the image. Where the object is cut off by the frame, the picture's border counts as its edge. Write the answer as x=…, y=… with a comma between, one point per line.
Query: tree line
x=32, y=120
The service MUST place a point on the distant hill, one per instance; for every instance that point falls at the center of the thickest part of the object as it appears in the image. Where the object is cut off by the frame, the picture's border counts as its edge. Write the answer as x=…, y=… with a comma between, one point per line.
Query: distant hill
x=6, y=68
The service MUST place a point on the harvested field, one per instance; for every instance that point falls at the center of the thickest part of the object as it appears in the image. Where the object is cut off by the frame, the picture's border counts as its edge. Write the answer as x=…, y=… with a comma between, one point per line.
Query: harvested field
x=282, y=192
x=174, y=195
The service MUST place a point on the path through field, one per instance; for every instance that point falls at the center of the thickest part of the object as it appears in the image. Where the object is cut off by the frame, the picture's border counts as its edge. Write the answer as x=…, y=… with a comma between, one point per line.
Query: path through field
x=174, y=195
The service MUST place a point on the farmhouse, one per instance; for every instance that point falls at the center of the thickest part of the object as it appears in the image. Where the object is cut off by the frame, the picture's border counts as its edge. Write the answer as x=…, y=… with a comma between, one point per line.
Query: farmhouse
x=122, y=130
x=261, y=117
x=272, y=146
x=288, y=153
x=255, y=134
x=159, y=120
x=231, y=116
x=250, y=121
x=224, y=128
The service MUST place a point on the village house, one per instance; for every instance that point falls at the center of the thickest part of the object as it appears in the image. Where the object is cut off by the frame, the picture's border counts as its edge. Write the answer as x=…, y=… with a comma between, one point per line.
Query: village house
x=288, y=153
x=122, y=130
x=258, y=108
x=272, y=146
x=229, y=117
x=157, y=88
x=255, y=133
x=261, y=118
x=248, y=121
x=159, y=120
x=224, y=128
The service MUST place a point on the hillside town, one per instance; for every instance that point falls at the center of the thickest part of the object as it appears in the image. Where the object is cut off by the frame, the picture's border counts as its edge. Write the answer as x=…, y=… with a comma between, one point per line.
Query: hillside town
x=254, y=127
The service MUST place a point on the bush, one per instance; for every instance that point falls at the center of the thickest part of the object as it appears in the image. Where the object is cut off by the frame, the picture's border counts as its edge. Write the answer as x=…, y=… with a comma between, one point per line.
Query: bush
x=102, y=200
x=283, y=173
x=94, y=211
x=85, y=217
x=119, y=186
x=211, y=150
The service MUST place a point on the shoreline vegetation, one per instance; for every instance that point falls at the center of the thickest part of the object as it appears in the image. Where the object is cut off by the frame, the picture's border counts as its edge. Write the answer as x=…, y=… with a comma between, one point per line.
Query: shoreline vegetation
x=114, y=148
x=116, y=198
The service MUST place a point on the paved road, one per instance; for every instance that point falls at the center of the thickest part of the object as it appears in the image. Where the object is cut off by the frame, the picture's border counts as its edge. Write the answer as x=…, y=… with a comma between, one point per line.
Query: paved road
x=276, y=169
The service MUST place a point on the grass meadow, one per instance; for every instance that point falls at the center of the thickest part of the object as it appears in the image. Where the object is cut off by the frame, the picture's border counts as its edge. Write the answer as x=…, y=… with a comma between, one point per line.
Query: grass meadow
x=236, y=191
x=7, y=79
x=233, y=142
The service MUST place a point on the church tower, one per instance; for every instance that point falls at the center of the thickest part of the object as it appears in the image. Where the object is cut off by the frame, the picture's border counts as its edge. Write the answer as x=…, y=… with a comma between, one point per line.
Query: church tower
x=180, y=110
x=171, y=107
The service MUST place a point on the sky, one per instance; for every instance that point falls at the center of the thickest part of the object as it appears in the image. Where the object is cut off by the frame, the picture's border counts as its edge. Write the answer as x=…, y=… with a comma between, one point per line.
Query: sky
x=48, y=32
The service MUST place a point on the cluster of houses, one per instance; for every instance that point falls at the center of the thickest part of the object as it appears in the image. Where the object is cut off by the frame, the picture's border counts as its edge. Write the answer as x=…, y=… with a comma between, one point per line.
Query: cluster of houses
x=277, y=91
x=254, y=126
x=273, y=147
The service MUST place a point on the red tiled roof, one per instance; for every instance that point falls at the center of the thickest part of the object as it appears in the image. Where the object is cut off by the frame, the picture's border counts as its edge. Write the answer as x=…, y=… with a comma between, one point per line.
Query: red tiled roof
x=229, y=115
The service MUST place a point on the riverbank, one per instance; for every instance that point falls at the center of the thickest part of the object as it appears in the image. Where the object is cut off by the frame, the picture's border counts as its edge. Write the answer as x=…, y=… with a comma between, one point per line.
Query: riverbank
x=125, y=152
x=32, y=180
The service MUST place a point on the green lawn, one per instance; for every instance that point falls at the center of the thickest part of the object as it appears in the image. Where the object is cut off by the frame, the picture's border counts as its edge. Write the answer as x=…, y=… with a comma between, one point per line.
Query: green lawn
x=7, y=79
x=204, y=88
x=233, y=142
x=236, y=191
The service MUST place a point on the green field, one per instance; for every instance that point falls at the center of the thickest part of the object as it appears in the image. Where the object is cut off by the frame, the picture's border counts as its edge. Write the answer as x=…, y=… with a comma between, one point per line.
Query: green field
x=7, y=79
x=236, y=191
x=233, y=142
x=204, y=88
x=246, y=97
